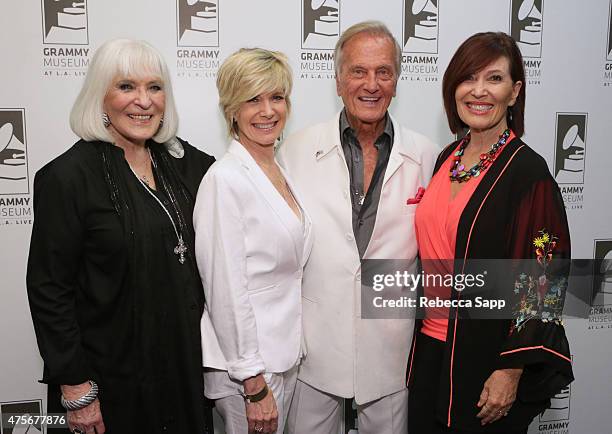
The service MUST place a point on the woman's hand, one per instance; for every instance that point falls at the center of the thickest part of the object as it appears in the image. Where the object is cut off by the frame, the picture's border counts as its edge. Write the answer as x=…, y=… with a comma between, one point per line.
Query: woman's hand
x=498, y=394
x=88, y=419
x=262, y=416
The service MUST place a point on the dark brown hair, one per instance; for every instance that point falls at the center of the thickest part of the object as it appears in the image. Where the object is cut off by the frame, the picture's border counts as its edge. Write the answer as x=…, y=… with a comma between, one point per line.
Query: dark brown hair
x=474, y=54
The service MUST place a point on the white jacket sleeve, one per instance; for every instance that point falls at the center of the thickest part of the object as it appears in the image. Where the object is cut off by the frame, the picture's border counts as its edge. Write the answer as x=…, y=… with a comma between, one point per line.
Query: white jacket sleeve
x=221, y=256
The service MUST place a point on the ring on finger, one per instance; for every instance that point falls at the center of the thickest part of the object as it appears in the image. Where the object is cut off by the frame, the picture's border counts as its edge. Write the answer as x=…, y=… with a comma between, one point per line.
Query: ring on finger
x=259, y=428
x=78, y=431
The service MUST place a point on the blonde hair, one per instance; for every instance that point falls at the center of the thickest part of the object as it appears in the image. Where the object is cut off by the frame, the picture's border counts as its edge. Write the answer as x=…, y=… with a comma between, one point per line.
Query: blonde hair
x=247, y=73
x=373, y=28
x=120, y=58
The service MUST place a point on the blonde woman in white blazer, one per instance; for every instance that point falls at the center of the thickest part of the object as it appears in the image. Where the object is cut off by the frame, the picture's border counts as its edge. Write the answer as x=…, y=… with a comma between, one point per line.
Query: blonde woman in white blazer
x=253, y=238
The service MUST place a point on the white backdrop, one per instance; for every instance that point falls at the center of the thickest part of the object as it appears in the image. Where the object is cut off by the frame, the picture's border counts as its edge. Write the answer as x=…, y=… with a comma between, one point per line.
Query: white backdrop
x=45, y=46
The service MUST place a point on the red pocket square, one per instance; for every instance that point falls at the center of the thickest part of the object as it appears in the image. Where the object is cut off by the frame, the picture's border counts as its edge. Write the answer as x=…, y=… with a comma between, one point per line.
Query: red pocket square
x=417, y=197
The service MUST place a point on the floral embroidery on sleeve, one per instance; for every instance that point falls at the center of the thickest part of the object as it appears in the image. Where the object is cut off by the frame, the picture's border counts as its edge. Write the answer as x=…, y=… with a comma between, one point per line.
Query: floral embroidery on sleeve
x=542, y=296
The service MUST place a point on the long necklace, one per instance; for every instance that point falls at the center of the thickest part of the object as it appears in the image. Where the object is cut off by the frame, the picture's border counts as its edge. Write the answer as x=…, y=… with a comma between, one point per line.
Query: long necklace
x=145, y=178
x=181, y=248
x=458, y=173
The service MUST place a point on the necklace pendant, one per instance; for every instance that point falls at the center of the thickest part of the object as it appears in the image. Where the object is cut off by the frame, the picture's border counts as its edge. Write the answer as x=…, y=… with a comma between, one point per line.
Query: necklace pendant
x=180, y=250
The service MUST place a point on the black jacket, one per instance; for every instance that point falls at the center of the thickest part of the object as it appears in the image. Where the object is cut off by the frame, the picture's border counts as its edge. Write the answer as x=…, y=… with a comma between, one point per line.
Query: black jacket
x=516, y=199
x=94, y=230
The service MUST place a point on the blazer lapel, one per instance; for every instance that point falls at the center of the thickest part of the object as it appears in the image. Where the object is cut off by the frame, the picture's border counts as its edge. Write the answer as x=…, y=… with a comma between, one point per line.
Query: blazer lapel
x=306, y=239
x=402, y=150
x=272, y=197
x=329, y=141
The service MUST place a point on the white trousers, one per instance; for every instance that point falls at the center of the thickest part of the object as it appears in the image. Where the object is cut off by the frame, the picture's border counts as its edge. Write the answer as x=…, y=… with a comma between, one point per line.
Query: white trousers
x=233, y=410
x=316, y=412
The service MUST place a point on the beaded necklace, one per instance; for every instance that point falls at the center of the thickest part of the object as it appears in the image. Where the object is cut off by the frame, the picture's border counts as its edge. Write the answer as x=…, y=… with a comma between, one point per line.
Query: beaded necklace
x=457, y=171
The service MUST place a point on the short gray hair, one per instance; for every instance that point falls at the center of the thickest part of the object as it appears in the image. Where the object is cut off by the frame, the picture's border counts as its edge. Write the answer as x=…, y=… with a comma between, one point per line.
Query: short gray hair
x=120, y=58
x=247, y=73
x=374, y=28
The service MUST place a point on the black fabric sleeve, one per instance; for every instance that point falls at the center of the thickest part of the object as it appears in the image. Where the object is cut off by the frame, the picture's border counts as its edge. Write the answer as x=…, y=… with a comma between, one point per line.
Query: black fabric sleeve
x=56, y=247
x=536, y=340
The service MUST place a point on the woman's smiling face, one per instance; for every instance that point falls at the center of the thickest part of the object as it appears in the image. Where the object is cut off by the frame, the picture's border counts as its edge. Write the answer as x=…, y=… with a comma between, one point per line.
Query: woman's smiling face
x=135, y=107
x=484, y=97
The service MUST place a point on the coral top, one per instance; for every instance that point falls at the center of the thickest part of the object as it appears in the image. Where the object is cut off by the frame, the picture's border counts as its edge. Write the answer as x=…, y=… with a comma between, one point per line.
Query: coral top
x=436, y=221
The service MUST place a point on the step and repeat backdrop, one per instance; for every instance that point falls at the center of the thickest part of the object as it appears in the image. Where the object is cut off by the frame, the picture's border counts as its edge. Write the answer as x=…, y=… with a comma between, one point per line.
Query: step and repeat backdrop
x=46, y=46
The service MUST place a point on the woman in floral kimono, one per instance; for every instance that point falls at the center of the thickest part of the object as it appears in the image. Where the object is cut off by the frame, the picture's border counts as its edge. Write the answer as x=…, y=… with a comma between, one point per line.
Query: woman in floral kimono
x=491, y=197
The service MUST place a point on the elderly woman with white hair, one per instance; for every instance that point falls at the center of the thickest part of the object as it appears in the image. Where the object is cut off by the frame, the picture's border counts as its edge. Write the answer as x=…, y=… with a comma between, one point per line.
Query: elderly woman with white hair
x=252, y=240
x=114, y=290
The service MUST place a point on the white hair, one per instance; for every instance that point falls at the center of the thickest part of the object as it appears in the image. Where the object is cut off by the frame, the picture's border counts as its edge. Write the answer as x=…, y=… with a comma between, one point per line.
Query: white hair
x=120, y=58
x=373, y=28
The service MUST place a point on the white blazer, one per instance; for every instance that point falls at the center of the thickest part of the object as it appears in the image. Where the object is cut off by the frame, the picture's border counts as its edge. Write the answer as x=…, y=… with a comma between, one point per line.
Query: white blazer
x=349, y=356
x=250, y=249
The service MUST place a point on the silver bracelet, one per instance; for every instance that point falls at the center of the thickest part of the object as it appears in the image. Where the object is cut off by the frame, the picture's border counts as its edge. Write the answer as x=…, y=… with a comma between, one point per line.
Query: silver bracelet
x=83, y=401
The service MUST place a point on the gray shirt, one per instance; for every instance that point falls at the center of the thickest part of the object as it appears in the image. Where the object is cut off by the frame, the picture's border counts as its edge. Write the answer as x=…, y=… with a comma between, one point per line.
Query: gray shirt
x=365, y=204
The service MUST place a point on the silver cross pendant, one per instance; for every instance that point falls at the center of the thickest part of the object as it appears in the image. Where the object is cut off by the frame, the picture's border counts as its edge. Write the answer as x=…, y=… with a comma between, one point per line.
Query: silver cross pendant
x=180, y=250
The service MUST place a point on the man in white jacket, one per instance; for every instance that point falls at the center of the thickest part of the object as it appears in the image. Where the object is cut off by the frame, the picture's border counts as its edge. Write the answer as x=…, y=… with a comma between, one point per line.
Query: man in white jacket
x=355, y=173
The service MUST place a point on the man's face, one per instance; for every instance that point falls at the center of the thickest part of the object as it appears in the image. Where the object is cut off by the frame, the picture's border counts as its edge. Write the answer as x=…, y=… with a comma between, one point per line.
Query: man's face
x=367, y=78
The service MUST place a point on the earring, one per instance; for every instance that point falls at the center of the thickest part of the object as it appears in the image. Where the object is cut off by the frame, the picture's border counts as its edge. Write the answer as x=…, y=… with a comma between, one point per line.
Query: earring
x=161, y=122
x=106, y=120
x=510, y=113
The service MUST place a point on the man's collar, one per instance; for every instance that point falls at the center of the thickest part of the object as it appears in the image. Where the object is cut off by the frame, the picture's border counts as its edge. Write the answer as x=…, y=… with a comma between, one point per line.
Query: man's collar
x=402, y=144
x=344, y=125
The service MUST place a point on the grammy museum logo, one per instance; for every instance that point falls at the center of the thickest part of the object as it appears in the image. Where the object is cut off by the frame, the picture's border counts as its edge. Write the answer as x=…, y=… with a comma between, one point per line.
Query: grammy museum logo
x=319, y=32
x=420, y=40
x=15, y=201
x=526, y=25
x=570, y=155
x=600, y=316
x=556, y=418
x=21, y=417
x=197, y=38
x=65, y=38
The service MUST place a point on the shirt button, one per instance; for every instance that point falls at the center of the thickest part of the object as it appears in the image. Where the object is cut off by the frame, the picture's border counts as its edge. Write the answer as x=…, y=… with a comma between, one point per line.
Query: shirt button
x=358, y=277
x=349, y=237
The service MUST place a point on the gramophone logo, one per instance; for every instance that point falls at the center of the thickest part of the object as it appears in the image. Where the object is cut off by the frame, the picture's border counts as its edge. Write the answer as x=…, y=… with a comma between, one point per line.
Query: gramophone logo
x=570, y=149
x=526, y=26
x=320, y=24
x=420, y=26
x=22, y=411
x=198, y=23
x=559, y=409
x=602, y=274
x=65, y=22
x=13, y=156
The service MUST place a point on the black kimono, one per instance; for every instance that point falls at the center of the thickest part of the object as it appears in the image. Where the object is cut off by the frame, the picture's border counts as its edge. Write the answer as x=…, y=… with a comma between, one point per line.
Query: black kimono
x=110, y=300
x=516, y=206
